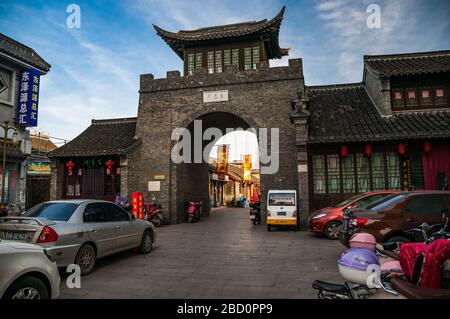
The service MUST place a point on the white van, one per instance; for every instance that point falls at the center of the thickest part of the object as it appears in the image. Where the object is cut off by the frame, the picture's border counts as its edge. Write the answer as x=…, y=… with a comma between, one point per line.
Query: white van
x=281, y=208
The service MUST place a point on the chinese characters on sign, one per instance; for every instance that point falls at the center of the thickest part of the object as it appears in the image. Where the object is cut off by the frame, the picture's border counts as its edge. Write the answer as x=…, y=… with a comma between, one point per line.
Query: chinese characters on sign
x=406, y=175
x=137, y=199
x=215, y=96
x=27, y=110
x=222, y=158
x=38, y=168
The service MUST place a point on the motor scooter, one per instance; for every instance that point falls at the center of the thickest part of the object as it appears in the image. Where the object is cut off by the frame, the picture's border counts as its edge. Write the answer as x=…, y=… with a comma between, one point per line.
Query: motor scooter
x=153, y=212
x=194, y=211
x=367, y=270
x=255, y=212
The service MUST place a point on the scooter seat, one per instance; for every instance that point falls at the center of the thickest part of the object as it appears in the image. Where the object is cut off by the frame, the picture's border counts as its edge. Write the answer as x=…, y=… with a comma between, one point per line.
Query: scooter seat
x=411, y=291
x=330, y=287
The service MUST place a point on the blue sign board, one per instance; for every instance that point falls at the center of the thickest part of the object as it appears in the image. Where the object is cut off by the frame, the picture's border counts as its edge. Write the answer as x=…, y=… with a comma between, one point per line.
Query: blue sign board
x=27, y=109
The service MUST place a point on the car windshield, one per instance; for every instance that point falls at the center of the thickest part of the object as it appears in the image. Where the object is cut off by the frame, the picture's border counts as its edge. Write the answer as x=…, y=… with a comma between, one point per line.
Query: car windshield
x=282, y=199
x=381, y=204
x=52, y=211
x=347, y=201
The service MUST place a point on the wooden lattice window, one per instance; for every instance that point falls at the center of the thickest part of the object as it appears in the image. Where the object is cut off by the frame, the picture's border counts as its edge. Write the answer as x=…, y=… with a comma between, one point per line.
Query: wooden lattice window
x=348, y=175
x=411, y=97
x=319, y=174
x=210, y=62
x=363, y=172
x=334, y=178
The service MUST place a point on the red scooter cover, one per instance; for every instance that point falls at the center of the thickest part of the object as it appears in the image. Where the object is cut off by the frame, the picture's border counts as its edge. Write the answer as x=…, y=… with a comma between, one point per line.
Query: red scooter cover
x=437, y=253
x=434, y=256
x=408, y=257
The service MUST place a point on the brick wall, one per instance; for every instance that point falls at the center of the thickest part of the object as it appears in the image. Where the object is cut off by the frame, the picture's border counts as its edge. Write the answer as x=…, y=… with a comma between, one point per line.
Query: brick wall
x=260, y=98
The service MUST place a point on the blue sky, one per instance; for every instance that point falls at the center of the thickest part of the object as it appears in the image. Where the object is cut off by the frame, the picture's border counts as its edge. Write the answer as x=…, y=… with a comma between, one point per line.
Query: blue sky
x=95, y=69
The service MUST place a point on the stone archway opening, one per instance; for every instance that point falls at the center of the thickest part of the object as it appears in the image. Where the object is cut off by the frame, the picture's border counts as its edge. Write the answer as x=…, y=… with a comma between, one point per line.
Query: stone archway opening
x=194, y=178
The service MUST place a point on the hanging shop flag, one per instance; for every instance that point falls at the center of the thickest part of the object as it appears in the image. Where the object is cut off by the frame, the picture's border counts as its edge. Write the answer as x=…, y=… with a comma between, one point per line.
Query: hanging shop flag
x=247, y=168
x=222, y=159
x=27, y=109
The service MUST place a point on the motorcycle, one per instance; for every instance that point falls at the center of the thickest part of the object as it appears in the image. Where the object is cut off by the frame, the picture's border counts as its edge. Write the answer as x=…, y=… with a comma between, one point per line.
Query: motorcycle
x=194, y=211
x=122, y=201
x=368, y=267
x=153, y=213
x=255, y=212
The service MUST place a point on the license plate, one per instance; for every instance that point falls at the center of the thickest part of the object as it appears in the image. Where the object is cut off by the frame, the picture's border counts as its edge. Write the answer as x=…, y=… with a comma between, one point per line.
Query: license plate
x=16, y=236
x=281, y=214
x=252, y=216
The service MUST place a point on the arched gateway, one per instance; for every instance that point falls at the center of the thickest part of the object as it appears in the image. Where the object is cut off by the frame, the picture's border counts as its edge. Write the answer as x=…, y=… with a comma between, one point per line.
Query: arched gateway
x=227, y=84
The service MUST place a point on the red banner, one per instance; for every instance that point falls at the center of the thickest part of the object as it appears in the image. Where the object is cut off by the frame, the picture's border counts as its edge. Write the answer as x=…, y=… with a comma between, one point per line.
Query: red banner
x=137, y=201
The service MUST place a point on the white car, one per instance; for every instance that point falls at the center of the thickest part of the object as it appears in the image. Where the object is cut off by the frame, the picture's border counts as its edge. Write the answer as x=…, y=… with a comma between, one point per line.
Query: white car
x=27, y=271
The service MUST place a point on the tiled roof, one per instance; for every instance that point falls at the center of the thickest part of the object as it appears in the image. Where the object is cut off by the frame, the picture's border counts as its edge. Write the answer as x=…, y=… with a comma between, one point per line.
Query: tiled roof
x=266, y=29
x=102, y=137
x=410, y=63
x=17, y=50
x=345, y=113
x=42, y=143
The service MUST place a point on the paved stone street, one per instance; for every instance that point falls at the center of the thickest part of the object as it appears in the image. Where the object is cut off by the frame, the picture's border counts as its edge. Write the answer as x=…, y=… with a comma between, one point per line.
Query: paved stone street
x=223, y=256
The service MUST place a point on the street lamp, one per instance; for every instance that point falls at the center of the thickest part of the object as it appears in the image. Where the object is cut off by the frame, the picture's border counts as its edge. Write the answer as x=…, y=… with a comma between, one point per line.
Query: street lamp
x=6, y=129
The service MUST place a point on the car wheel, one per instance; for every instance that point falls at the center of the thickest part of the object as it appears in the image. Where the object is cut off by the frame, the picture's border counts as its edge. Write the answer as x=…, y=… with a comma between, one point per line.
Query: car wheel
x=27, y=287
x=146, y=243
x=86, y=259
x=332, y=230
x=269, y=228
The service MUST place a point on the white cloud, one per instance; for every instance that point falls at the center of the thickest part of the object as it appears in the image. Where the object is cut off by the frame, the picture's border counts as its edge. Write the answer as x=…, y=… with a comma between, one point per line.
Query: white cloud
x=347, y=20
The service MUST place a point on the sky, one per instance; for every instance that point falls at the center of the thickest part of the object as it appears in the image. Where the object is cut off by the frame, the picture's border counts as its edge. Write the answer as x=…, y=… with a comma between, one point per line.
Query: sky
x=95, y=69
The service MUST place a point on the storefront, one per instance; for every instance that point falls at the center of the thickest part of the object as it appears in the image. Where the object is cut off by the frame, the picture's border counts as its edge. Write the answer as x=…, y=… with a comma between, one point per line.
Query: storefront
x=95, y=164
x=340, y=171
x=93, y=177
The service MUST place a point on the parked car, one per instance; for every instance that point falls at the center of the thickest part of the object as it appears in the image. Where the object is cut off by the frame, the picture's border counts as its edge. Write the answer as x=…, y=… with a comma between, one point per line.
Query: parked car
x=80, y=231
x=391, y=218
x=326, y=221
x=27, y=272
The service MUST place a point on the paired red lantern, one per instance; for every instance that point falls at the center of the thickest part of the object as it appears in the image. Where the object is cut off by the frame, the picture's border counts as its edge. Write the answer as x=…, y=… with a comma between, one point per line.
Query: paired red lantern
x=70, y=166
x=344, y=151
x=368, y=150
x=427, y=148
x=109, y=165
x=402, y=149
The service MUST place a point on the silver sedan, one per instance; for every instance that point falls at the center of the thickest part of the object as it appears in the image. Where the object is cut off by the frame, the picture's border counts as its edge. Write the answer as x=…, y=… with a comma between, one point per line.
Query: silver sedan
x=79, y=231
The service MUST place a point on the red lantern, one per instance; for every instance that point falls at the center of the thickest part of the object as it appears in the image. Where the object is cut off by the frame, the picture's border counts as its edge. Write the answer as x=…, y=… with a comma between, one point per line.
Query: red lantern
x=368, y=150
x=70, y=165
x=109, y=164
x=427, y=148
x=402, y=149
x=344, y=151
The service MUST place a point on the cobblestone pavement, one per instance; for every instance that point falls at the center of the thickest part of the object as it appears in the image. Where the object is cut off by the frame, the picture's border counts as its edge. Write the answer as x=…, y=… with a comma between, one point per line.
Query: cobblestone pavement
x=222, y=256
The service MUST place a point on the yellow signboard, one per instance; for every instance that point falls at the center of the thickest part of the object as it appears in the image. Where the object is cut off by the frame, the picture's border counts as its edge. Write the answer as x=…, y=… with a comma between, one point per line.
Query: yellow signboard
x=247, y=168
x=38, y=168
x=222, y=159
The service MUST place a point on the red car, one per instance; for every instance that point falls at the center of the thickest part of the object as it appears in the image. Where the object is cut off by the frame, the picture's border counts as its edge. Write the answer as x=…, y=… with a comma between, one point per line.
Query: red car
x=327, y=220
